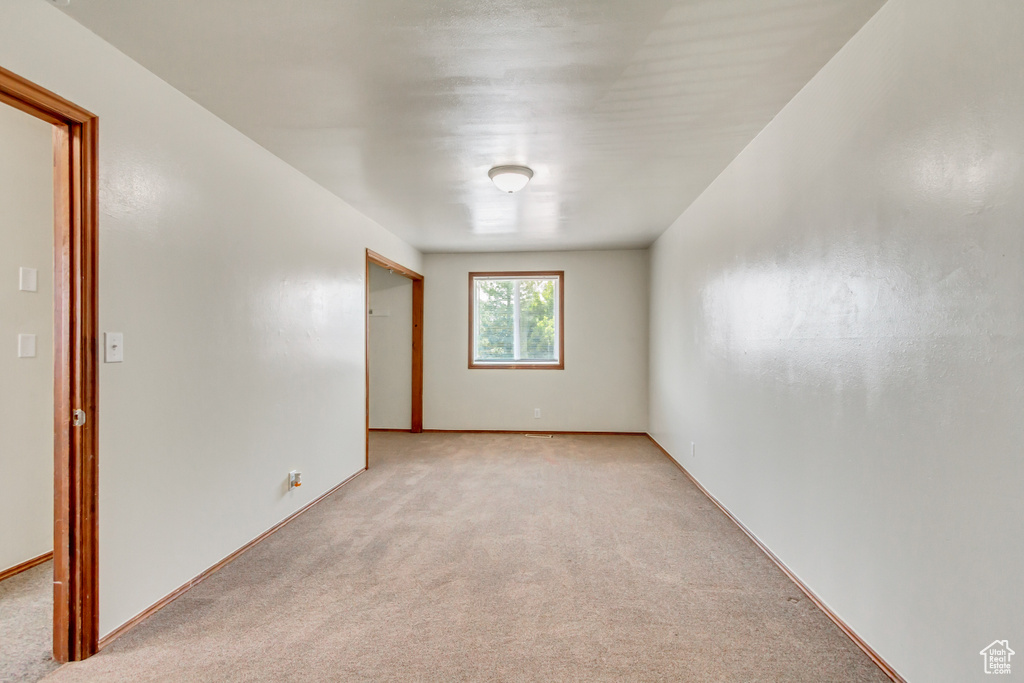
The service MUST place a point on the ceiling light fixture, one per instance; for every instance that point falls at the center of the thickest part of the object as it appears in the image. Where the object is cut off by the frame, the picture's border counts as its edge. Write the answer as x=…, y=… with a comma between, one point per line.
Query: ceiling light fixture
x=510, y=178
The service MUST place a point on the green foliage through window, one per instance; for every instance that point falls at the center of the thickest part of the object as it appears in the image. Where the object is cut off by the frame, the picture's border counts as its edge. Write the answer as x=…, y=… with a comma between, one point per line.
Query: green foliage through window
x=516, y=319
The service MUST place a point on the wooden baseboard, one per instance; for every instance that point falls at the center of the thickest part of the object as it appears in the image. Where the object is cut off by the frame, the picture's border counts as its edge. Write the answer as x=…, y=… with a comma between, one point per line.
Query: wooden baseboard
x=27, y=564
x=385, y=429
x=181, y=590
x=529, y=431
x=858, y=641
x=163, y=602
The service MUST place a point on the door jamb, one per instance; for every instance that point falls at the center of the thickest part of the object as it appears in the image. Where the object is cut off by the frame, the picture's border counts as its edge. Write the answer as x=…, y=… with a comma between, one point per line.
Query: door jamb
x=75, y=549
x=417, y=340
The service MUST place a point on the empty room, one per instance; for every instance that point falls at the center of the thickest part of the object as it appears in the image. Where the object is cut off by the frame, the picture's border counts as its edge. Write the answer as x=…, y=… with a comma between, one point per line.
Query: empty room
x=665, y=340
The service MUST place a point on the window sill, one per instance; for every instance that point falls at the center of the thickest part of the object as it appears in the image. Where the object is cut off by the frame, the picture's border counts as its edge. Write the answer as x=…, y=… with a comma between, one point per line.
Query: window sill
x=477, y=365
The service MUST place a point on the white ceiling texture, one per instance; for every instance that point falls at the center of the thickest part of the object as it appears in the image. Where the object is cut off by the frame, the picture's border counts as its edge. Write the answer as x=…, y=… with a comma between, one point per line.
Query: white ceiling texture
x=625, y=109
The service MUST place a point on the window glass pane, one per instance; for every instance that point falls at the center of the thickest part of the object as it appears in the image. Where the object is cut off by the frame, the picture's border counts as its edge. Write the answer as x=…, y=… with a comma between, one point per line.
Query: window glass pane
x=537, y=319
x=516, y=320
x=495, y=320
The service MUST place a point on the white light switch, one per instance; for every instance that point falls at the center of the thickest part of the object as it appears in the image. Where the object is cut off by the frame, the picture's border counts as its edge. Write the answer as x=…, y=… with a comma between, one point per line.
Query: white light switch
x=28, y=279
x=113, y=345
x=26, y=346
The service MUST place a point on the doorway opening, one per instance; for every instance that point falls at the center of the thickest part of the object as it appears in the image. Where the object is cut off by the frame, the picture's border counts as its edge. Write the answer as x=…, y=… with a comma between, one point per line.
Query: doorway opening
x=416, y=379
x=26, y=404
x=75, y=359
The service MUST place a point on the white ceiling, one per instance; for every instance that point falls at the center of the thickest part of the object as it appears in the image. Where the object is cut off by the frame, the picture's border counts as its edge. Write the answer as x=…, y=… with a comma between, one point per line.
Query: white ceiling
x=625, y=110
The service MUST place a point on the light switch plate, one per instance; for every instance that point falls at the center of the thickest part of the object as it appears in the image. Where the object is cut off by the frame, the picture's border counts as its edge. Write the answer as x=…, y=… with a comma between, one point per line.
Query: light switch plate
x=26, y=346
x=28, y=279
x=113, y=347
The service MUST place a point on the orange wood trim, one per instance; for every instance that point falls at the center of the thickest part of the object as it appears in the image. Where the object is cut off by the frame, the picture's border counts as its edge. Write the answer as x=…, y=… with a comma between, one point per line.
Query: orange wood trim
x=76, y=210
x=385, y=262
x=366, y=357
x=471, y=321
x=38, y=101
x=86, y=564
x=417, y=356
x=62, y=393
x=517, y=366
x=192, y=583
x=850, y=633
x=29, y=109
x=560, y=365
x=529, y=431
x=381, y=429
x=27, y=564
x=520, y=273
x=416, y=425
x=561, y=319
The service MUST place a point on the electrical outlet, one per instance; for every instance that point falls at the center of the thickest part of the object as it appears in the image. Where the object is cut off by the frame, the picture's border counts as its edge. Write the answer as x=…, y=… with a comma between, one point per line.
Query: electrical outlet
x=294, y=479
x=536, y=412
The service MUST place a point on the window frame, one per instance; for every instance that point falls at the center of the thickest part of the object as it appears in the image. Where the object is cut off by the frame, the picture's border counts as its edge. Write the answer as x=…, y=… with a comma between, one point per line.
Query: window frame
x=559, y=276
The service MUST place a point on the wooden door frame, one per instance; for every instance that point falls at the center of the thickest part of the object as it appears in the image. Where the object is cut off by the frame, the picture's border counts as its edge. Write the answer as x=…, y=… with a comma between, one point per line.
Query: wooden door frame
x=374, y=258
x=75, y=357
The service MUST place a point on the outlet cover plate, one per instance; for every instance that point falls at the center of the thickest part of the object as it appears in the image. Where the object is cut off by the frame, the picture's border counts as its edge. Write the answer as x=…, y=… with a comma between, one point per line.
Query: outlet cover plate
x=26, y=346
x=28, y=279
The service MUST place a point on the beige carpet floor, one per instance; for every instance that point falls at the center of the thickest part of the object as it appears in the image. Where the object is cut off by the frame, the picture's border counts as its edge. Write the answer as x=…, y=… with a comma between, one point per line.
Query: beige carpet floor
x=26, y=625
x=469, y=557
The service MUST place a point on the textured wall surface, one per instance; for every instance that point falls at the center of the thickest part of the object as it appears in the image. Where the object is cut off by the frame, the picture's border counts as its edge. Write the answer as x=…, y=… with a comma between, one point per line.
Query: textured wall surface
x=26, y=402
x=604, y=384
x=390, y=350
x=838, y=328
x=238, y=285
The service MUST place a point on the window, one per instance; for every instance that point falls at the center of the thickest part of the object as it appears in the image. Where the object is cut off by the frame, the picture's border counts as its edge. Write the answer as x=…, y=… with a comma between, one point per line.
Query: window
x=515, y=320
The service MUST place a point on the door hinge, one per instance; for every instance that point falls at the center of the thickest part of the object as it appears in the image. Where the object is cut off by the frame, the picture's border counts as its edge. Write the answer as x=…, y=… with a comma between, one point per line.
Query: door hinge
x=78, y=417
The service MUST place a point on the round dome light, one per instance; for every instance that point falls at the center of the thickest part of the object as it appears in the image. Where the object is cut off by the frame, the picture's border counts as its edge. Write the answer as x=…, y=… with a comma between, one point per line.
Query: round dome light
x=510, y=178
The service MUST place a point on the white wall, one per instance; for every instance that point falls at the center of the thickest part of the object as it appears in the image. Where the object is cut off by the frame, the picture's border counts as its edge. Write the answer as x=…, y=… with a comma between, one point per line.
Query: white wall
x=390, y=350
x=238, y=284
x=838, y=324
x=604, y=384
x=26, y=402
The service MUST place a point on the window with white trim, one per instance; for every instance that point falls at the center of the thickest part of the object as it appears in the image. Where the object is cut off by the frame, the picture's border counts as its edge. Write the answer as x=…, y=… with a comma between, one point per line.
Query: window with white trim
x=516, y=320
